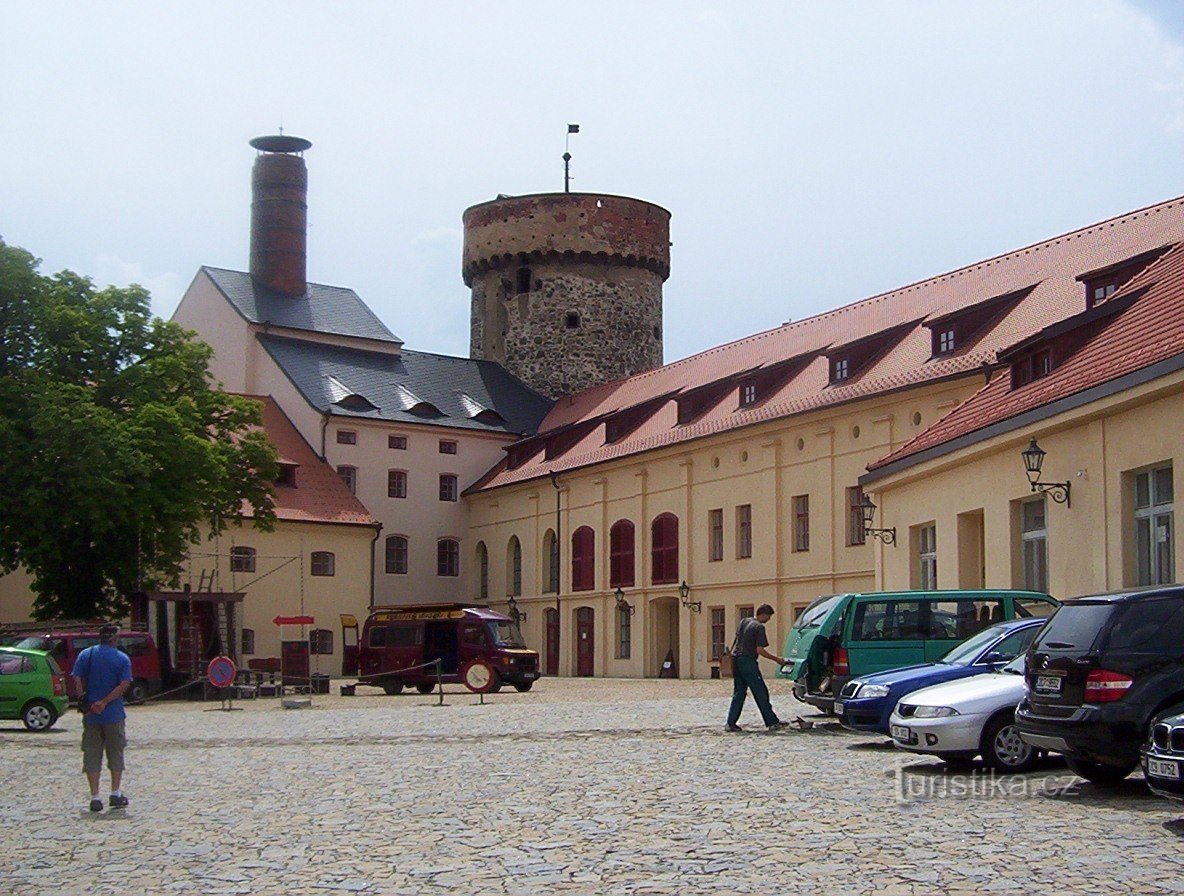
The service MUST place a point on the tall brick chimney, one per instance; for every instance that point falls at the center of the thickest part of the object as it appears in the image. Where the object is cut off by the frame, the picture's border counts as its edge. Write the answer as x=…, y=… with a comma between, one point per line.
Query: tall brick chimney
x=279, y=214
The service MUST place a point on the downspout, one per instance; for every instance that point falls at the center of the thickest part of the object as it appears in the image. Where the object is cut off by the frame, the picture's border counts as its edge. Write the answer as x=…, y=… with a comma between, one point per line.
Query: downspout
x=324, y=427
x=558, y=548
x=373, y=562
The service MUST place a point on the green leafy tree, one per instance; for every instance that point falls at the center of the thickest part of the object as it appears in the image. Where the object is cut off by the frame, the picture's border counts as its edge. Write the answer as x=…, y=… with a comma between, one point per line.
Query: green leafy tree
x=115, y=452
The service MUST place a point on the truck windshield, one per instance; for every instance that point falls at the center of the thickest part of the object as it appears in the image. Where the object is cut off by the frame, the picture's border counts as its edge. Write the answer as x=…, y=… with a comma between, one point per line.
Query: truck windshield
x=506, y=634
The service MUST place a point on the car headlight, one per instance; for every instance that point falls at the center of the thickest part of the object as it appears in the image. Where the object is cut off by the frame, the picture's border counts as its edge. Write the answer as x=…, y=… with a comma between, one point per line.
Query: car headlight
x=873, y=690
x=934, y=712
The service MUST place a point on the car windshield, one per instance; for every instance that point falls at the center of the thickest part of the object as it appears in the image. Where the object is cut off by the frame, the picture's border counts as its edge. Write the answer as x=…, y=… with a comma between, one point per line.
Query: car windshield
x=967, y=652
x=813, y=615
x=506, y=634
x=34, y=642
x=1016, y=666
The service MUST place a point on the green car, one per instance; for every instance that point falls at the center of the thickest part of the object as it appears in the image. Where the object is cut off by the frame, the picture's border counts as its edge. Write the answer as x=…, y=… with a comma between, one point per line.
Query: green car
x=844, y=636
x=32, y=688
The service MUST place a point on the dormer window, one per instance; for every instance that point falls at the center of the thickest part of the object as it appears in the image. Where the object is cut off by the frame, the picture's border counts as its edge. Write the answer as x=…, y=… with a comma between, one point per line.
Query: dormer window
x=1104, y=291
x=840, y=369
x=944, y=341
x=287, y=474
x=1034, y=366
x=747, y=395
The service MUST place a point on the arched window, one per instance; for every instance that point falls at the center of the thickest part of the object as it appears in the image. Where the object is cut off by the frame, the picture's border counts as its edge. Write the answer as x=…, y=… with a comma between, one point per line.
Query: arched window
x=396, y=555
x=482, y=572
x=550, y=562
x=448, y=557
x=242, y=559
x=583, y=559
x=514, y=567
x=664, y=549
x=620, y=555
x=324, y=563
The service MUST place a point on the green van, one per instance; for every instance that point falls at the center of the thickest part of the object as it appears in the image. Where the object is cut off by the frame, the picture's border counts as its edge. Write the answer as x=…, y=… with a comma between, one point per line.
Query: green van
x=843, y=636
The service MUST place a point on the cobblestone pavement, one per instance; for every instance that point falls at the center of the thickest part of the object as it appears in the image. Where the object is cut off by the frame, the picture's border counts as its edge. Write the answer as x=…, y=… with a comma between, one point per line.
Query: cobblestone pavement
x=582, y=786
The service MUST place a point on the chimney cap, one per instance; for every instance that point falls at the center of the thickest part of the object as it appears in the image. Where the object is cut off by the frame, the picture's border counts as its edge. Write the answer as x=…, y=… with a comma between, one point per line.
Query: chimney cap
x=281, y=143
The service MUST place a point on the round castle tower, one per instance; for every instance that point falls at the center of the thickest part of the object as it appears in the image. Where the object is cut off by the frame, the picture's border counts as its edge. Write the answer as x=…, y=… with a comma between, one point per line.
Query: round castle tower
x=567, y=287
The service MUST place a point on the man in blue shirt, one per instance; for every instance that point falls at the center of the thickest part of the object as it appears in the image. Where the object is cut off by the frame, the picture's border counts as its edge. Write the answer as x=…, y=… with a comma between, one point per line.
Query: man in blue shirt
x=103, y=674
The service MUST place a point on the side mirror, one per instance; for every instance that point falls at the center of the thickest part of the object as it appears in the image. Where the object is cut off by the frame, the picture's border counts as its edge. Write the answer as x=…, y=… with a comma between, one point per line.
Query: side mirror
x=995, y=658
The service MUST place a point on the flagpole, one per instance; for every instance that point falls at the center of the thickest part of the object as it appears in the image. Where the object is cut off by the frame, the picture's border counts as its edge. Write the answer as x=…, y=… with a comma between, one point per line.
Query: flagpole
x=571, y=129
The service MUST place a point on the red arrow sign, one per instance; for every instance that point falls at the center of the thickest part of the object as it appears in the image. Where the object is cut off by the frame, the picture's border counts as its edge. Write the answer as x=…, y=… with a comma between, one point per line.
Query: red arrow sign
x=293, y=620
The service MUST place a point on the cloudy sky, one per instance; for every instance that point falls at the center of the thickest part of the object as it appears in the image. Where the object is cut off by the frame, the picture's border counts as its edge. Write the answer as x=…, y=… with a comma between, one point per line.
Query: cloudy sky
x=811, y=153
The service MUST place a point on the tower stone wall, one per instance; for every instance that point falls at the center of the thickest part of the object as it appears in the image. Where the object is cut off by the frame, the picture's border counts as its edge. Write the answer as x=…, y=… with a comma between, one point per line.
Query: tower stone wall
x=567, y=287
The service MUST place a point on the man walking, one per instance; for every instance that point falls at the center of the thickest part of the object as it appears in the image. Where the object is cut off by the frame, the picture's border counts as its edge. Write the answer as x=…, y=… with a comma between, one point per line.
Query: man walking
x=751, y=642
x=102, y=674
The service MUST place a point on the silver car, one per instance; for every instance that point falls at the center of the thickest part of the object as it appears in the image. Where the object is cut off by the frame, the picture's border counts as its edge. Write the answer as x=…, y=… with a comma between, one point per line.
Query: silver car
x=971, y=717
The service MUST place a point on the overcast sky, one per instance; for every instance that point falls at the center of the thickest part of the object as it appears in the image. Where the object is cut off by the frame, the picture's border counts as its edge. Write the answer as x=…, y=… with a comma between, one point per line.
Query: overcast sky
x=811, y=153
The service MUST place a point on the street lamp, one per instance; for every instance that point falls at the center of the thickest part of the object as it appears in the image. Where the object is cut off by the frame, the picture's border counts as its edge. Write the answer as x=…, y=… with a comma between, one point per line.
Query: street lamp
x=1033, y=457
x=684, y=593
x=888, y=536
x=623, y=604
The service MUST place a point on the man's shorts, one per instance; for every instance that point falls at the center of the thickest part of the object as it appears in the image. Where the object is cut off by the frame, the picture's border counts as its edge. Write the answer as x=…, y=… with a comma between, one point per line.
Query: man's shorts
x=100, y=739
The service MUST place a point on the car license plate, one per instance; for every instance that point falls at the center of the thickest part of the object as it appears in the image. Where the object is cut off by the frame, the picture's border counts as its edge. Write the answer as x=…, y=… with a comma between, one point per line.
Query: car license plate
x=1160, y=768
x=1049, y=684
x=838, y=707
x=901, y=733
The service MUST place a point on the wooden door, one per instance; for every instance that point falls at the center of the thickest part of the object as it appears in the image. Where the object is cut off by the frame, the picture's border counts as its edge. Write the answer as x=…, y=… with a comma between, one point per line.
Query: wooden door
x=585, y=641
x=552, y=616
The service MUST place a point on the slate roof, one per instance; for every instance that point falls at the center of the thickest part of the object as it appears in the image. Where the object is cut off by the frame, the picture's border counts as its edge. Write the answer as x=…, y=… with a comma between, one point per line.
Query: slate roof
x=319, y=495
x=1044, y=275
x=411, y=387
x=1147, y=337
x=323, y=309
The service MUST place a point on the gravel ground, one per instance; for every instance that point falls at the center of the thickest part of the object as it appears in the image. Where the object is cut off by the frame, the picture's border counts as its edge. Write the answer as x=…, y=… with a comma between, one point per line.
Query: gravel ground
x=581, y=786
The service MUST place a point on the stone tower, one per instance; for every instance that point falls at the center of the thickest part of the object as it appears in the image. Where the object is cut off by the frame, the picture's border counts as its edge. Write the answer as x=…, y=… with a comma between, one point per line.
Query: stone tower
x=567, y=287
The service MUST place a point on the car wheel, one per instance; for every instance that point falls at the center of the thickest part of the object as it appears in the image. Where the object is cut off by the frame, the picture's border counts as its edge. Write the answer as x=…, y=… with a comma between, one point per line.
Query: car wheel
x=495, y=684
x=1002, y=748
x=1097, y=773
x=392, y=687
x=38, y=715
x=426, y=687
x=523, y=686
x=138, y=692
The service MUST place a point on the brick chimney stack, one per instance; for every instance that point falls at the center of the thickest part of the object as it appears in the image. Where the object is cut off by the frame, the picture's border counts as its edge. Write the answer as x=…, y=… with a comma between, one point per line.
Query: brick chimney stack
x=279, y=214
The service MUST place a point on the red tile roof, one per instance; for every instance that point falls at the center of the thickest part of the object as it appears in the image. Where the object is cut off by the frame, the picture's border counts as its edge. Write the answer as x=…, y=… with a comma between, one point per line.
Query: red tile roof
x=319, y=495
x=1149, y=331
x=1049, y=268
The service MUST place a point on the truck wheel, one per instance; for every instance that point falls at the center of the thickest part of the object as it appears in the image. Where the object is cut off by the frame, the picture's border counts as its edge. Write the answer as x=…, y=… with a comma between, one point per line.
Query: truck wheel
x=38, y=715
x=138, y=692
x=1096, y=773
x=426, y=687
x=523, y=686
x=393, y=687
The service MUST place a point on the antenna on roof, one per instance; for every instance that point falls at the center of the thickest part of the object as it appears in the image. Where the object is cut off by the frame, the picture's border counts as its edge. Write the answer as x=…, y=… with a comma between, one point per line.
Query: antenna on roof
x=571, y=129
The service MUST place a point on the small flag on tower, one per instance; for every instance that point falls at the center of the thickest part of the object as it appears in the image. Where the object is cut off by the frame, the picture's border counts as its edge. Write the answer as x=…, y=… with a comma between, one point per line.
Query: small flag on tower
x=573, y=128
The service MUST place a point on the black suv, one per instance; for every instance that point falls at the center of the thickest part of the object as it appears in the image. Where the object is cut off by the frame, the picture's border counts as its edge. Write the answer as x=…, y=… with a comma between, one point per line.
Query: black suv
x=1101, y=672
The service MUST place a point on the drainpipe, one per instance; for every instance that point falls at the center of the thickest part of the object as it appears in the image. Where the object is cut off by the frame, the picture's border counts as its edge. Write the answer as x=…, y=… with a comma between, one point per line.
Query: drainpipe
x=373, y=562
x=558, y=549
x=324, y=427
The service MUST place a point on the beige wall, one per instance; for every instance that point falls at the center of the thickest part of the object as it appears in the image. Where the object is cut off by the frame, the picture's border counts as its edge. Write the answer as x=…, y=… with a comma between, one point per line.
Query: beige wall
x=205, y=310
x=819, y=454
x=1090, y=544
x=282, y=584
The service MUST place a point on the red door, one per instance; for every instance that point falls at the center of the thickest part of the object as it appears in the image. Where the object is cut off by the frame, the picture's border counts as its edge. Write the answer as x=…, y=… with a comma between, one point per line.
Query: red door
x=349, y=644
x=552, y=641
x=295, y=660
x=585, y=641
